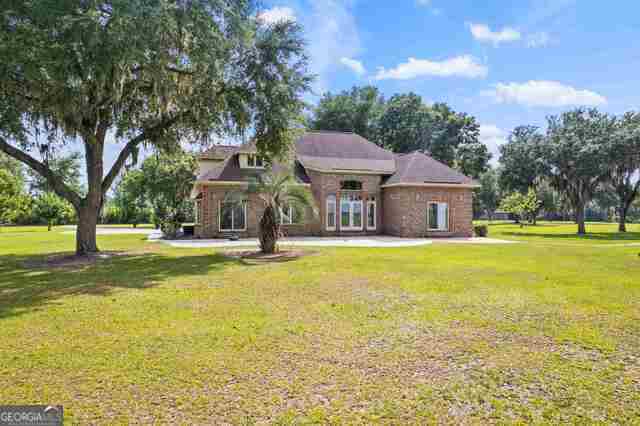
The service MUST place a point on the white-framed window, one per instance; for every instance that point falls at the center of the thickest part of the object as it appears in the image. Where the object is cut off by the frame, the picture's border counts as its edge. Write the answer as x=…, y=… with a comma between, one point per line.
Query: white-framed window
x=290, y=215
x=232, y=216
x=371, y=213
x=196, y=211
x=351, y=212
x=255, y=161
x=331, y=213
x=438, y=216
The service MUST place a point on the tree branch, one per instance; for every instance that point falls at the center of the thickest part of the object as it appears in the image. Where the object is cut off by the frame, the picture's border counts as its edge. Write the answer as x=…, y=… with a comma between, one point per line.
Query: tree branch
x=120, y=161
x=58, y=185
x=130, y=147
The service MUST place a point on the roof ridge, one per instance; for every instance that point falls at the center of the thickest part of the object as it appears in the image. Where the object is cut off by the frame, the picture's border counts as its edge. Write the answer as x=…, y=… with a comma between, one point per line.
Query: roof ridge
x=347, y=132
x=411, y=161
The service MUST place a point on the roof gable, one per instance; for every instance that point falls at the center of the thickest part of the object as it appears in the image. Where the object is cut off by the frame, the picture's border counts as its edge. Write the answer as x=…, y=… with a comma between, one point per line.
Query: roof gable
x=337, y=151
x=218, y=152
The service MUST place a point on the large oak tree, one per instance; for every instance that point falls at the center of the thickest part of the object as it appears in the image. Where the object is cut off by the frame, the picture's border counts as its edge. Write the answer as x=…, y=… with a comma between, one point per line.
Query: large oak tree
x=136, y=72
x=625, y=158
x=576, y=155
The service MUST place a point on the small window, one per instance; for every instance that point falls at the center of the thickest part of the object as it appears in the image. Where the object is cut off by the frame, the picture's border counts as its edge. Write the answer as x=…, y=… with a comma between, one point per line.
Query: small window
x=233, y=216
x=291, y=215
x=196, y=211
x=351, y=185
x=371, y=213
x=331, y=213
x=254, y=161
x=438, y=217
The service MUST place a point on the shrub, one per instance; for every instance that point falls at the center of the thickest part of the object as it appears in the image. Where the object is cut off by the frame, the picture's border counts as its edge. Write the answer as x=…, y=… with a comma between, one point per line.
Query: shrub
x=481, y=230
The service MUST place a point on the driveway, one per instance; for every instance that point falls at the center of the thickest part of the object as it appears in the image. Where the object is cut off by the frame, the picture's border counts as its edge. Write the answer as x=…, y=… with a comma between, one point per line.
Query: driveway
x=114, y=230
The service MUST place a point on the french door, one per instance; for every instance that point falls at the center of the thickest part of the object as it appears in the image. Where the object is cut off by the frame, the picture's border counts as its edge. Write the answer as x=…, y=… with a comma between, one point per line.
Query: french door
x=351, y=212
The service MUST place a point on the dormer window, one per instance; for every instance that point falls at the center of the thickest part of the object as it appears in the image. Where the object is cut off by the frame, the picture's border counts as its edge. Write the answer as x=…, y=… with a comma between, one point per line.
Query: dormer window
x=254, y=161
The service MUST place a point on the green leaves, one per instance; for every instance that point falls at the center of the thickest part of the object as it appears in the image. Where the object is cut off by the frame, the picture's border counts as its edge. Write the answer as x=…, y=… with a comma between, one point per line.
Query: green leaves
x=404, y=124
x=186, y=70
x=489, y=192
x=522, y=164
x=53, y=209
x=522, y=206
x=357, y=110
x=576, y=149
x=167, y=180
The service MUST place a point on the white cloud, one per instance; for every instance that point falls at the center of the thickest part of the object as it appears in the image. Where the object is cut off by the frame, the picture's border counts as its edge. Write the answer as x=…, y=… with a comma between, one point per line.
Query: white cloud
x=459, y=66
x=492, y=136
x=483, y=33
x=276, y=15
x=544, y=94
x=355, y=65
x=541, y=39
x=332, y=33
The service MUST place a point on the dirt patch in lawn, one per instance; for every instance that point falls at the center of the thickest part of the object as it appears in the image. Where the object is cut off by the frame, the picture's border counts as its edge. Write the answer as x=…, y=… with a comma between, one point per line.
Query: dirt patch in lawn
x=253, y=256
x=72, y=260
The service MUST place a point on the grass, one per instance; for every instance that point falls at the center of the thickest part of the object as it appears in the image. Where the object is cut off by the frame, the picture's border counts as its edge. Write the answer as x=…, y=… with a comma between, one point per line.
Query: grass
x=546, y=331
x=564, y=232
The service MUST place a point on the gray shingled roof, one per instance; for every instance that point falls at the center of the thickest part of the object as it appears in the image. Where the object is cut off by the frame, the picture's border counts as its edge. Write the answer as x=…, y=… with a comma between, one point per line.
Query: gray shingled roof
x=343, y=151
x=329, y=151
x=418, y=168
x=219, y=152
x=229, y=170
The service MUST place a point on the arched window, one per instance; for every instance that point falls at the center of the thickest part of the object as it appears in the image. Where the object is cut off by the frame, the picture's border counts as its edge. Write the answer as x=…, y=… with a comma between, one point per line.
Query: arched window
x=351, y=185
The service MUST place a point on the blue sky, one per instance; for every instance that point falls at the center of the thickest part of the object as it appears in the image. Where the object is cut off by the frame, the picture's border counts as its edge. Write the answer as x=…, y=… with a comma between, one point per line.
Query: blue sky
x=505, y=62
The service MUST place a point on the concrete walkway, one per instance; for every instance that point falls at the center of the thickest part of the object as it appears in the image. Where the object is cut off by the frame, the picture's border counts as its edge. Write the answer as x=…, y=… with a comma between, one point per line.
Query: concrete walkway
x=372, y=241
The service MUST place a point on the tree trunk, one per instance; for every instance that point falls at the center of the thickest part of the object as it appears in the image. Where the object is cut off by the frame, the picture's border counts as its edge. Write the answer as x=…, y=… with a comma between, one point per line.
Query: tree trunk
x=622, y=220
x=89, y=209
x=86, y=231
x=269, y=231
x=48, y=225
x=580, y=219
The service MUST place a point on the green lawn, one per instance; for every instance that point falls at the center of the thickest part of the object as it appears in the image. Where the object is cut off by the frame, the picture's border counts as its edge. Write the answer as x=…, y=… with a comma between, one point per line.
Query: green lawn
x=546, y=331
x=564, y=232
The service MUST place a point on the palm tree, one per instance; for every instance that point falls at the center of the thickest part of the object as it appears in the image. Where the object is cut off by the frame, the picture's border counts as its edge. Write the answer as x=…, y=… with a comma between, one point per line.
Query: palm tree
x=277, y=191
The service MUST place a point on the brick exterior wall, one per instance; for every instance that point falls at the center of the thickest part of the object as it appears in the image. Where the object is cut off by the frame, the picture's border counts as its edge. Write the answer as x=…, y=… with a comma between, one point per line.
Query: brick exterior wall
x=209, y=225
x=405, y=211
x=325, y=184
x=401, y=211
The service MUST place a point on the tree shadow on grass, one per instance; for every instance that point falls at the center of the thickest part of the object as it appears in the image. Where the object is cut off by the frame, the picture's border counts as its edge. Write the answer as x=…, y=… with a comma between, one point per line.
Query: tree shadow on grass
x=24, y=290
x=595, y=236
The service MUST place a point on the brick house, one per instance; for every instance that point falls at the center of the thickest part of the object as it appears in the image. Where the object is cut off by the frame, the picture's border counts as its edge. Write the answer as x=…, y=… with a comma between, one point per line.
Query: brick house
x=359, y=189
